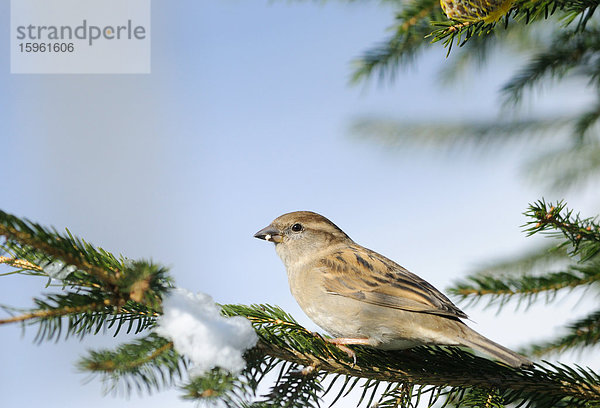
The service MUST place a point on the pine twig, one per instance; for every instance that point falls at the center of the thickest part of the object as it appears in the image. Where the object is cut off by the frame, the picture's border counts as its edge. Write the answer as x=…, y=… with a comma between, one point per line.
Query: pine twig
x=527, y=285
x=61, y=311
x=25, y=237
x=149, y=362
x=582, y=233
x=111, y=365
x=581, y=333
x=20, y=263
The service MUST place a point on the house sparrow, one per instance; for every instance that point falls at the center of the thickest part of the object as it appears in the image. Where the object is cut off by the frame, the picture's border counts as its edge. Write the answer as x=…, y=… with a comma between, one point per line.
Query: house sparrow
x=362, y=297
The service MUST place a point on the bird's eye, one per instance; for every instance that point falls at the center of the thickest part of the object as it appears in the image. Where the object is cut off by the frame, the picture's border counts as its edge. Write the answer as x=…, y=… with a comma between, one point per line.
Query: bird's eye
x=297, y=227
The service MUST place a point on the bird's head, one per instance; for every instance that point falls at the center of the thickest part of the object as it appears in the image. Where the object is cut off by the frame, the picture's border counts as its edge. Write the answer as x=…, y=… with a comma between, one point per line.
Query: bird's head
x=301, y=233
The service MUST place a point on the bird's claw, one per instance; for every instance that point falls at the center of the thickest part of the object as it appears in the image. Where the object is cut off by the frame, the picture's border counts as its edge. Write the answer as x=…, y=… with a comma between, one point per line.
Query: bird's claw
x=349, y=352
x=336, y=342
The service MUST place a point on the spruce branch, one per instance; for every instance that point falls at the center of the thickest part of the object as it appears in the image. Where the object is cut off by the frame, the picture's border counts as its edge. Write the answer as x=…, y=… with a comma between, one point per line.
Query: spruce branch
x=83, y=313
x=517, y=38
x=148, y=363
x=55, y=312
x=582, y=234
x=217, y=386
x=234, y=392
x=421, y=22
x=569, y=50
x=478, y=399
x=584, y=125
x=524, y=11
x=100, y=291
x=29, y=239
x=564, y=167
x=451, y=32
x=581, y=333
x=532, y=262
x=439, y=367
x=21, y=264
x=305, y=361
x=567, y=168
x=410, y=28
x=457, y=135
x=500, y=289
x=475, y=53
x=582, y=240
x=79, y=264
x=296, y=388
x=401, y=395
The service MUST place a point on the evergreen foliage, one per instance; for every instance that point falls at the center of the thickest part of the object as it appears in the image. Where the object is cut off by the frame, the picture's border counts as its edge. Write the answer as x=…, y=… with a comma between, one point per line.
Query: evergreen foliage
x=558, y=40
x=418, y=23
x=100, y=292
x=579, y=240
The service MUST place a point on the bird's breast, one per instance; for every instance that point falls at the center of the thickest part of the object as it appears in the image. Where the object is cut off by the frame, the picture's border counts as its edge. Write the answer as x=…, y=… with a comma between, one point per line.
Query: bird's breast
x=337, y=315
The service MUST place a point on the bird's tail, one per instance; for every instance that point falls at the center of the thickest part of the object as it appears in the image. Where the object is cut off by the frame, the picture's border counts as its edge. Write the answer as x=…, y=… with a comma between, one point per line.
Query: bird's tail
x=480, y=343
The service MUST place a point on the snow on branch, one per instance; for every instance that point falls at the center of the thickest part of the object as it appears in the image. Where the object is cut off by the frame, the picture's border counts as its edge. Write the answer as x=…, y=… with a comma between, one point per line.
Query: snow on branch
x=198, y=330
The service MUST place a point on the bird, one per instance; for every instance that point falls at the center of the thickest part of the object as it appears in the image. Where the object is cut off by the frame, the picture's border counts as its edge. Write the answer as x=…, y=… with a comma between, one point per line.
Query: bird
x=363, y=298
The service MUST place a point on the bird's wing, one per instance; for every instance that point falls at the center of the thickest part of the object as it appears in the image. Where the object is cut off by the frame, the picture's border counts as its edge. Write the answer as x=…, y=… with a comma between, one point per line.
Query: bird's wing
x=364, y=275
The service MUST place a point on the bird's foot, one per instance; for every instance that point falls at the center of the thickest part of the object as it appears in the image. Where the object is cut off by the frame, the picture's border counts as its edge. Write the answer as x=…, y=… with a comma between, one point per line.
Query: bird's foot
x=342, y=342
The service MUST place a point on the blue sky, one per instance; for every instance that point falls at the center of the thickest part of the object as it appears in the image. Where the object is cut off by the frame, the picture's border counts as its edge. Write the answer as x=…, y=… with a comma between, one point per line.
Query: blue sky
x=246, y=116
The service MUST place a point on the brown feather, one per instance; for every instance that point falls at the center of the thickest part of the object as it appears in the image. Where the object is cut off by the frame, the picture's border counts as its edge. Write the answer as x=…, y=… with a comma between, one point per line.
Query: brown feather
x=387, y=284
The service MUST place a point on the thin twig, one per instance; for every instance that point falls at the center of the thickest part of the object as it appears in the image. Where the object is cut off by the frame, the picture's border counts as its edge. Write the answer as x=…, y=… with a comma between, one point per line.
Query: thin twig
x=27, y=239
x=55, y=312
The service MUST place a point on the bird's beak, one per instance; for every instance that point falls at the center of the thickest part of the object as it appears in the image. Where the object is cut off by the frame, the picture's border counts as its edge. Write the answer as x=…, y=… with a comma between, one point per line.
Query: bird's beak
x=269, y=233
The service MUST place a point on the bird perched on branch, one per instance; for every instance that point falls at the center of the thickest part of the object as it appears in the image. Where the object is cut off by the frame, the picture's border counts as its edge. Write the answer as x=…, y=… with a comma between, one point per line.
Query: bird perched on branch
x=362, y=297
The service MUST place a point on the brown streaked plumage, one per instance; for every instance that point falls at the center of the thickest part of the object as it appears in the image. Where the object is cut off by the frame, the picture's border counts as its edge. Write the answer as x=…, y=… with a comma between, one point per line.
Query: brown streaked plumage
x=362, y=297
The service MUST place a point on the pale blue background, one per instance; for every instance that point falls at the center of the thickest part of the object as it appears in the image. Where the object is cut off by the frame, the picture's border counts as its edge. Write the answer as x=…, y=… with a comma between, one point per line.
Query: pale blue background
x=244, y=117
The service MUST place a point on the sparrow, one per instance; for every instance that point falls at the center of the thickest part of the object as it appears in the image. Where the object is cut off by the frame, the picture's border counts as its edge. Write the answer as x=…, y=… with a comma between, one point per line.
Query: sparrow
x=361, y=297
